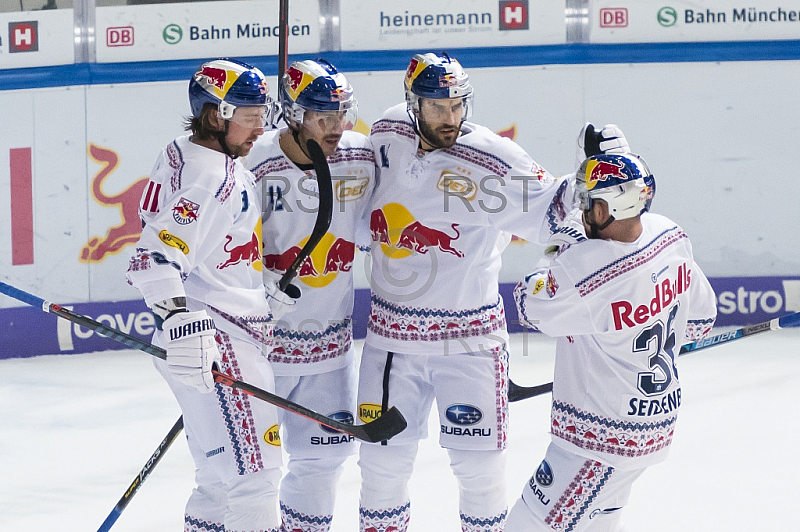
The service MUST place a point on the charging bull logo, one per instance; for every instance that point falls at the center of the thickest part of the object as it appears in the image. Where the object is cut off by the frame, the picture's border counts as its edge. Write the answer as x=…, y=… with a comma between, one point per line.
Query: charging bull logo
x=248, y=252
x=297, y=80
x=400, y=234
x=597, y=171
x=332, y=255
x=127, y=202
x=214, y=76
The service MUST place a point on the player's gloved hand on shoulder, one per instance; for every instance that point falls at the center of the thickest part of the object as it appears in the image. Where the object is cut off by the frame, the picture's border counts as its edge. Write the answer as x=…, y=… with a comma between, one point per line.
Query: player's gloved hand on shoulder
x=609, y=139
x=192, y=349
x=568, y=232
x=280, y=302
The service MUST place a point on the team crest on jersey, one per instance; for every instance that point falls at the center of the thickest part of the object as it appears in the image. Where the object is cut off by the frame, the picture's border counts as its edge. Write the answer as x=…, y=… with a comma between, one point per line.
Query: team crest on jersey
x=185, y=212
x=456, y=184
x=351, y=188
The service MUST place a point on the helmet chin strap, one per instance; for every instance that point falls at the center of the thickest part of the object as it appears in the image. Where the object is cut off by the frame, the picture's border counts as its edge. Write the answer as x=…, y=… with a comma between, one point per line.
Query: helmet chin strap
x=296, y=137
x=221, y=136
x=595, y=228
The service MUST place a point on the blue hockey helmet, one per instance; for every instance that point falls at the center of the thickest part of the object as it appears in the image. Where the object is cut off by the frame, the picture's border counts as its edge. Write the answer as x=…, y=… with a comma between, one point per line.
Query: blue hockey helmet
x=315, y=86
x=228, y=84
x=436, y=76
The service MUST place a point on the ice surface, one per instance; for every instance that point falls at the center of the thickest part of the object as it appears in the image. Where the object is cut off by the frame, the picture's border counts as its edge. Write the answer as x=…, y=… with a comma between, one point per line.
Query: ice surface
x=77, y=429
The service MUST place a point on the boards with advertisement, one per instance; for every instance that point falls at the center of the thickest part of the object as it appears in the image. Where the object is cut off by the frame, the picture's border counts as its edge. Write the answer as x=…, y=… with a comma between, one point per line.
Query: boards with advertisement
x=36, y=38
x=369, y=25
x=203, y=29
x=629, y=21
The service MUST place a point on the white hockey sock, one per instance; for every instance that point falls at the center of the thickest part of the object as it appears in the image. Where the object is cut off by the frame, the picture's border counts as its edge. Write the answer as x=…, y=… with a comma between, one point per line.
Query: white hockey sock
x=482, y=495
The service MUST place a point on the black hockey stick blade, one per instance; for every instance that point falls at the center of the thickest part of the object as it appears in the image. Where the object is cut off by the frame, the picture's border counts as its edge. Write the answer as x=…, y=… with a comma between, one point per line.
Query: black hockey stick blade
x=324, y=213
x=385, y=427
x=393, y=425
x=518, y=393
x=155, y=458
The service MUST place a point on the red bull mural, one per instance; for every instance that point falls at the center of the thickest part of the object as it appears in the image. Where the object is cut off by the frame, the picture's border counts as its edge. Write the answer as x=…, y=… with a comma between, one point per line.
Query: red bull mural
x=127, y=202
x=400, y=234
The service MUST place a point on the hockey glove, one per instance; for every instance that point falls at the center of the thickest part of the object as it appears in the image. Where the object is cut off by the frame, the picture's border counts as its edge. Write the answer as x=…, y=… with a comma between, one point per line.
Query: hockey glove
x=280, y=302
x=610, y=139
x=192, y=349
x=568, y=232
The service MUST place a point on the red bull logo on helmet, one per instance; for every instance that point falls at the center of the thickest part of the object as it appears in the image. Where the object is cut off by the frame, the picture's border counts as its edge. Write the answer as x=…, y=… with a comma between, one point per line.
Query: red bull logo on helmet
x=401, y=235
x=597, y=171
x=332, y=255
x=298, y=77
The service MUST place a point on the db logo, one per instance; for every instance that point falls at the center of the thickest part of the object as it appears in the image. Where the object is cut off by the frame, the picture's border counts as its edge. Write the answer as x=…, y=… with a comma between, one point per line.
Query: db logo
x=23, y=36
x=119, y=36
x=513, y=15
x=614, y=17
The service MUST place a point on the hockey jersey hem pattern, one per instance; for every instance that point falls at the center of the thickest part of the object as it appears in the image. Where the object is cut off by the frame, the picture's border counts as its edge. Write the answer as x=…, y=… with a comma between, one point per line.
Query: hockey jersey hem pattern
x=599, y=434
x=432, y=325
x=289, y=346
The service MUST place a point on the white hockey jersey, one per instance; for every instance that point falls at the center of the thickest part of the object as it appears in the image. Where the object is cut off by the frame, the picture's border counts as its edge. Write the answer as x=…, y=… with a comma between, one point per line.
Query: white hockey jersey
x=439, y=222
x=621, y=312
x=202, y=238
x=316, y=336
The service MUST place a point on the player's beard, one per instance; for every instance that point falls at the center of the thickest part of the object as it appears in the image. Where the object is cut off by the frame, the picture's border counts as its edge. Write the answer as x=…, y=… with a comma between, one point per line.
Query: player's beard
x=441, y=137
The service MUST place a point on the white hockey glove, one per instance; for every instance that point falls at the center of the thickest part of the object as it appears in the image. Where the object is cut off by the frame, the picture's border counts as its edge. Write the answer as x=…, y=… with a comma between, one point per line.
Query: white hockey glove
x=610, y=139
x=280, y=302
x=568, y=232
x=192, y=349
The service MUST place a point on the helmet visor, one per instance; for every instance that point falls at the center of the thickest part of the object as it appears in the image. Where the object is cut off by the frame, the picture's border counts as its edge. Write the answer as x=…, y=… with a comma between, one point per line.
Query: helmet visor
x=253, y=117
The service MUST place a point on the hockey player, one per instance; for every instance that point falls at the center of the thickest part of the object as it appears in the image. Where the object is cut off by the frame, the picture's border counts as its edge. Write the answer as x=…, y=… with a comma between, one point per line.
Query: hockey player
x=621, y=303
x=311, y=349
x=449, y=196
x=198, y=266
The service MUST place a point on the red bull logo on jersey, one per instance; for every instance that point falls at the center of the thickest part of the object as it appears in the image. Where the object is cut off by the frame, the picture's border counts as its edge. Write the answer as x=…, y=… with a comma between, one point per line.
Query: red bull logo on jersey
x=248, y=253
x=185, y=212
x=401, y=235
x=332, y=255
x=628, y=314
x=597, y=171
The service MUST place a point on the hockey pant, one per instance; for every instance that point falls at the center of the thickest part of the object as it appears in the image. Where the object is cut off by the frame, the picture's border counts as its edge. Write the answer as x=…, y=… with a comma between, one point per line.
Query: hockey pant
x=572, y=492
x=316, y=453
x=233, y=440
x=470, y=392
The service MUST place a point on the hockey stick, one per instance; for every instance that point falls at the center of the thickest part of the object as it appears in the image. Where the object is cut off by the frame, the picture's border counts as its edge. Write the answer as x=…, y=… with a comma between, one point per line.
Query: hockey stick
x=383, y=428
x=171, y=436
x=518, y=393
x=323, y=214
